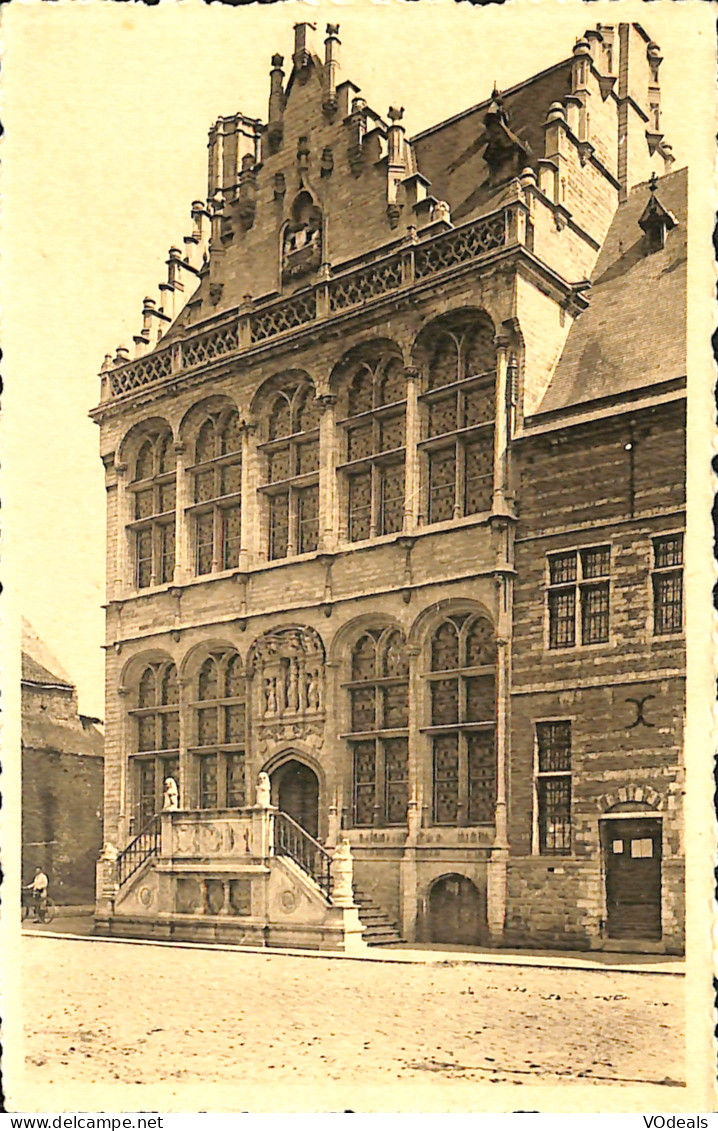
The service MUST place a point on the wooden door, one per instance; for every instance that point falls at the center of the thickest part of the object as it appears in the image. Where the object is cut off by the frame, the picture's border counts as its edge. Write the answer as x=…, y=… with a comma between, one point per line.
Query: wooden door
x=298, y=795
x=457, y=912
x=632, y=851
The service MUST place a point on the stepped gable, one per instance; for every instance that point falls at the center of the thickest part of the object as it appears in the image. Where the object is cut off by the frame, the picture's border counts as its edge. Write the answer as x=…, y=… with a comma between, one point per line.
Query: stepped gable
x=452, y=154
x=633, y=334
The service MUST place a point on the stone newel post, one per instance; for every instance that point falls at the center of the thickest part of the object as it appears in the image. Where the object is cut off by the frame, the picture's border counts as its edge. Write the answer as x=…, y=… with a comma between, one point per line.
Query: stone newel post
x=106, y=881
x=342, y=875
x=262, y=839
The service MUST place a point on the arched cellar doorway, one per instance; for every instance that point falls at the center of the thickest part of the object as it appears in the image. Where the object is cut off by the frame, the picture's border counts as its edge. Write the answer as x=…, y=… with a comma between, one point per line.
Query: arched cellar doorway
x=295, y=790
x=457, y=912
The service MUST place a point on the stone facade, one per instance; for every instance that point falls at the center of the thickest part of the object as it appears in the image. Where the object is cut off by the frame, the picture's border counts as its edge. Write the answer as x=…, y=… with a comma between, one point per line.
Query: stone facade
x=395, y=419
x=61, y=780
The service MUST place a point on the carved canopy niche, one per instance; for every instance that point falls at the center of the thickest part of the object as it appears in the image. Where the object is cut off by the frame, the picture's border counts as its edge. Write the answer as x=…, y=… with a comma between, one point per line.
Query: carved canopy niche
x=288, y=685
x=302, y=239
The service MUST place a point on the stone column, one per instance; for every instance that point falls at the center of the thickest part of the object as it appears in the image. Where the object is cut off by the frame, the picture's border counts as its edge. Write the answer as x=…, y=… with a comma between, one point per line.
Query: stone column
x=411, y=473
x=343, y=875
x=249, y=533
x=328, y=532
x=183, y=552
x=187, y=800
x=501, y=428
x=124, y=579
x=106, y=882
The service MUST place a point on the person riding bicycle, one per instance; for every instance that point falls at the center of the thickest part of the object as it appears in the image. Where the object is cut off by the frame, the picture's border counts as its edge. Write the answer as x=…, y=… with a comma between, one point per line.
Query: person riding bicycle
x=38, y=887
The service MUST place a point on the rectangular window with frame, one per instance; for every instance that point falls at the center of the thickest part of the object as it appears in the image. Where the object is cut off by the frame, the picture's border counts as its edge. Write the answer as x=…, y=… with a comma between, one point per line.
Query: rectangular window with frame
x=579, y=597
x=667, y=580
x=553, y=787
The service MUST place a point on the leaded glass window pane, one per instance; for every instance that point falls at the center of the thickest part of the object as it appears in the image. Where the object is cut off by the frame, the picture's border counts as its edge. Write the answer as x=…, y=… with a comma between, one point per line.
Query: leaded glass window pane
x=668, y=551
x=479, y=405
x=307, y=457
x=554, y=746
x=279, y=419
x=482, y=776
x=231, y=438
x=554, y=800
x=562, y=618
x=479, y=351
x=596, y=562
x=207, y=726
x=146, y=732
x=478, y=479
x=235, y=679
x=562, y=568
x=207, y=684
x=204, y=534
x=364, y=782
x=278, y=526
x=594, y=614
x=396, y=706
x=170, y=687
x=236, y=796
x=167, y=539
x=360, y=441
x=396, y=661
x=392, y=387
x=359, y=506
x=148, y=688
x=444, y=365
x=363, y=701
x=168, y=496
x=169, y=721
x=205, y=444
x=360, y=392
x=668, y=602
x=144, y=558
x=364, y=658
x=446, y=779
x=309, y=413
x=391, y=433
x=231, y=479
x=445, y=648
x=480, y=699
x=442, y=415
x=480, y=643
x=444, y=702
x=204, y=486
x=146, y=791
x=279, y=465
x=144, y=503
x=442, y=484
x=235, y=722
x=231, y=530
x=208, y=782
x=396, y=762
x=144, y=467
x=308, y=519
x=392, y=499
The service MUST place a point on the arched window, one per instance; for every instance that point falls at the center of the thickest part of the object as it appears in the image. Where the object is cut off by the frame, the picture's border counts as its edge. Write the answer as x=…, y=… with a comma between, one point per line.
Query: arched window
x=156, y=743
x=379, y=704
x=463, y=712
x=216, y=493
x=375, y=430
x=458, y=407
x=153, y=506
x=219, y=733
x=291, y=454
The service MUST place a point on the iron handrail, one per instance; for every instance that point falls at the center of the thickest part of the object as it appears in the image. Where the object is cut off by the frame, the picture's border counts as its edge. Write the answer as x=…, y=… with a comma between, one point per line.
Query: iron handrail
x=290, y=839
x=144, y=845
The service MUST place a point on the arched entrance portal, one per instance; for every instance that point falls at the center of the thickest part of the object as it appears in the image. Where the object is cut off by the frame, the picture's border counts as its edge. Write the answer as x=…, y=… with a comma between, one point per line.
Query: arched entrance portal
x=457, y=912
x=295, y=790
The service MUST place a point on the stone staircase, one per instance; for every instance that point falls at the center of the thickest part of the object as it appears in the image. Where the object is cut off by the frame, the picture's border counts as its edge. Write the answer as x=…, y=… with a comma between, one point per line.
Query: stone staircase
x=379, y=929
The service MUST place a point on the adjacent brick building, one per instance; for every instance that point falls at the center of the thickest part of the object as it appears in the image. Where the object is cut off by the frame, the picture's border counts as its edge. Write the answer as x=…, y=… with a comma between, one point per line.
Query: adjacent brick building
x=62, y=762
x=395, y=507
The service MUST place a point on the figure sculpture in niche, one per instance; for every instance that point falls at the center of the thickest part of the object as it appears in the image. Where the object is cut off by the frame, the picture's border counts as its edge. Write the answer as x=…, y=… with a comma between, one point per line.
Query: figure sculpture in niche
x=171, y=795
x=302, y=246
x=264, y=792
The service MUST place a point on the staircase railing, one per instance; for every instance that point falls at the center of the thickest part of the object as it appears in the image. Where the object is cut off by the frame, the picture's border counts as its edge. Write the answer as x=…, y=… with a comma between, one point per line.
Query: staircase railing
x=290, y=839
x=144, y=845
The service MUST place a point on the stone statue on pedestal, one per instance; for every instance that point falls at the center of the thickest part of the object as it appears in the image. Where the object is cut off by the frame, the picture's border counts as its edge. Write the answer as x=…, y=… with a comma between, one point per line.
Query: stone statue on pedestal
x=171, y=796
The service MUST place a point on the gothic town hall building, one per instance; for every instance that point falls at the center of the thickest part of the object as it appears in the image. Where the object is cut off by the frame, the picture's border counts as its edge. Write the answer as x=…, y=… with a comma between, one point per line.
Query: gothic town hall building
x=395, y=483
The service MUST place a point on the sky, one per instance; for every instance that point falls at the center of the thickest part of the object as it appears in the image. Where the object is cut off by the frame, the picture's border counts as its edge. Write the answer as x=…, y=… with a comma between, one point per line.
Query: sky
x=106, y=109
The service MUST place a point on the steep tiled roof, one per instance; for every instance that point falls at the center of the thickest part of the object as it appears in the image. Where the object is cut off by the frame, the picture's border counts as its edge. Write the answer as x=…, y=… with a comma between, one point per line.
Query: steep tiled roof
x=450, y=153
x=633, y=334
x=34, y=672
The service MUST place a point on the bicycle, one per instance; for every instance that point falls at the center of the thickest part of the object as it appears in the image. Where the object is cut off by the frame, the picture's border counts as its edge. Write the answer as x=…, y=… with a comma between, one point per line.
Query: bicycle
x=45, y=910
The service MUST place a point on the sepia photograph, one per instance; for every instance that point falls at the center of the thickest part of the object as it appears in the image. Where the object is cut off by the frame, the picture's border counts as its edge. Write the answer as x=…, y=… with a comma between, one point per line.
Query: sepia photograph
x=358, y=642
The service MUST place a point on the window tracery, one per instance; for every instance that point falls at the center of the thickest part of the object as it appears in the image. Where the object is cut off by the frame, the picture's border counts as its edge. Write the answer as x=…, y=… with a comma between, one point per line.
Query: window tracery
x=379, y=711
x=462, y=659
x=156, y=739
x=375, y=432
x=153, y=490
x=291, y=455
x=216, y=511
x=218, y=751
x=459, y=408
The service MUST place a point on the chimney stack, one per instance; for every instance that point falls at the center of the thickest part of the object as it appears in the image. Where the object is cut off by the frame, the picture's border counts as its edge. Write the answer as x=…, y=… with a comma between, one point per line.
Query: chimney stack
x=331, y=64
x=275, y=124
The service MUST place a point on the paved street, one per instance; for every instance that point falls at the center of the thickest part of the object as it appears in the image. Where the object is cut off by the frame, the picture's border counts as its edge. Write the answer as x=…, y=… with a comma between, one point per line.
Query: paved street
x=137, y=1014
